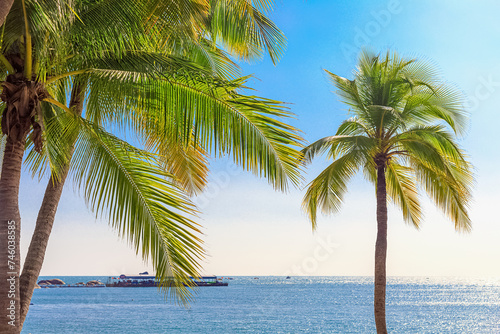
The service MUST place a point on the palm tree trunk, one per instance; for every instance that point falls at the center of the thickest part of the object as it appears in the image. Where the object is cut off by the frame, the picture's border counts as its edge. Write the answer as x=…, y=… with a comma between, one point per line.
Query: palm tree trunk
x=10, y=233
x=45, y=220
x=5, y=9
x=381, y=252
x=39, y=240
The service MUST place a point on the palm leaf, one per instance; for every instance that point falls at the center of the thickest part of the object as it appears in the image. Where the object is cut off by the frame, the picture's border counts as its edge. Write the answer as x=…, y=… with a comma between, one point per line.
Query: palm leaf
x=244, y=30
x=326, y=191
x=221, y=122
x=142, y=203
x=402, y=189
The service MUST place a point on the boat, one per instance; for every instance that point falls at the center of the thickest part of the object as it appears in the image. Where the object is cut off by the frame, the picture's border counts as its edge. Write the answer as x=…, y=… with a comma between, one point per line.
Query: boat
x=124, y=281
x=208, y=281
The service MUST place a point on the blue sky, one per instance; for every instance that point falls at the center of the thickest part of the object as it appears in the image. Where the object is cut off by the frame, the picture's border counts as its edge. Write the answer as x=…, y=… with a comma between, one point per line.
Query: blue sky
x=252, y=230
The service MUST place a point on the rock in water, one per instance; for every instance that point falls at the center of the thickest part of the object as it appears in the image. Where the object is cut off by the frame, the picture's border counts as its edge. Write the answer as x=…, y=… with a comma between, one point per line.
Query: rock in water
x=94, y=282
x=44, y=282
x=54, y=281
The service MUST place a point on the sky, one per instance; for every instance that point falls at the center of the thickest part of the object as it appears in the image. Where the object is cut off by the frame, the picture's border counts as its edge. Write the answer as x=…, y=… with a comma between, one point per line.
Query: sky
x=250, y=229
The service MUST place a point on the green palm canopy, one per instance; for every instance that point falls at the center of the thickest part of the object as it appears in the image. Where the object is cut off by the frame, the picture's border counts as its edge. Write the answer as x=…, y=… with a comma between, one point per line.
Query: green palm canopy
x=161, y=73
x=402, y=135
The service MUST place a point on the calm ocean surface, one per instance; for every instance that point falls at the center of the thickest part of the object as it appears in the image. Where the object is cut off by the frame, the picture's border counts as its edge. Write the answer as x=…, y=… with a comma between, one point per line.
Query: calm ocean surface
x=272, y=305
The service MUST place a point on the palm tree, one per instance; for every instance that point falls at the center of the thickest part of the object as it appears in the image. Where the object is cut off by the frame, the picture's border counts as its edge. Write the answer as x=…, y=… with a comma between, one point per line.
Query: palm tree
x=399, y=135
x=4, y=9
x=134, y=84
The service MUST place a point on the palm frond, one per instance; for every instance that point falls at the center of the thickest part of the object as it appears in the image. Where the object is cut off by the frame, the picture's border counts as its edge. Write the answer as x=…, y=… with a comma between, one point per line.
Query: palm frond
x=318, y=147
x=402, y=189
x=347, y=91
x=339, y=145
x=142, y=203
x=219, y=120
x=435, y=136
x=326, y=191
x=450, y=193
x=447, y=104
x=353, y=127
x=188, y=165
x=93, y=35
x=445, y=174
x=244, y=30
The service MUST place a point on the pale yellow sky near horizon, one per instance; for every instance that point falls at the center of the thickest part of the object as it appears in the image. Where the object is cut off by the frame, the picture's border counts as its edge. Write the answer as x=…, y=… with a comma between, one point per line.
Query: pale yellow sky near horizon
x=252, y=230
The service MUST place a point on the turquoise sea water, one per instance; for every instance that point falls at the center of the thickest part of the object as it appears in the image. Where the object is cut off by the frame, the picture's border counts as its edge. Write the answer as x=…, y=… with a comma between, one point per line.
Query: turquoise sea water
x=273, y=305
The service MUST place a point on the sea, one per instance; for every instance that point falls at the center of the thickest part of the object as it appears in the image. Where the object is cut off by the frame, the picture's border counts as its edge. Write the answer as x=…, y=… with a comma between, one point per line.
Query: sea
x=271, y=304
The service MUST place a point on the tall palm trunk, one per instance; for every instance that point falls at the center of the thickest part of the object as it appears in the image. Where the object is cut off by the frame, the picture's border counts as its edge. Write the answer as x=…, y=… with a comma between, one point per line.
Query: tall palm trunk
x=381, y=252
x=5, y=9
x=39, y=240
x=45, y=220
x=10, y=233
x=21, y=97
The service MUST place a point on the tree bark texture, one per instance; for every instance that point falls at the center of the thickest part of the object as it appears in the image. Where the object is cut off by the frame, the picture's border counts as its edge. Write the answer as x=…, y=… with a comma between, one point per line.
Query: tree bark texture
x=45, y=220
x=5, y=6
x=381, y=252
x=39, y=240
x=10, y=233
